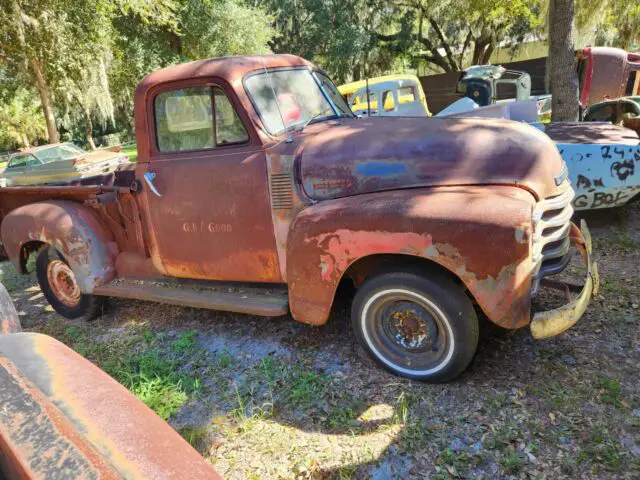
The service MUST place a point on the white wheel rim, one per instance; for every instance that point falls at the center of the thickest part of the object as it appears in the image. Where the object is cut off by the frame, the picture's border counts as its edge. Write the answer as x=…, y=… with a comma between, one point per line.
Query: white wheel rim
x=450, y=347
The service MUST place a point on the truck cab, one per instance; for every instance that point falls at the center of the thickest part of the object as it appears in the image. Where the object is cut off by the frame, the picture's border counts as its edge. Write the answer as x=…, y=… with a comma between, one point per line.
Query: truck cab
x=389, y=95
x=257, y=190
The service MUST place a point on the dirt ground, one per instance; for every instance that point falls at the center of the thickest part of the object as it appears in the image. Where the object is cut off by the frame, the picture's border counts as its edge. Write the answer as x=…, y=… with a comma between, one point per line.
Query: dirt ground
x=271, y=398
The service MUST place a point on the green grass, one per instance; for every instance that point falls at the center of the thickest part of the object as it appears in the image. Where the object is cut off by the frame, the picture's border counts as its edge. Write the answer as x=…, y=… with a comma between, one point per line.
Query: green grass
x=186, y=342
x=610, y=390
x=132, y=152
x=139, y=362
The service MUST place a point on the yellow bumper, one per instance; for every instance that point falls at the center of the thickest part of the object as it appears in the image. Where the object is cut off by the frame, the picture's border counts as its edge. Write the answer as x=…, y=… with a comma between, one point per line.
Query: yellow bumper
x=553, y=322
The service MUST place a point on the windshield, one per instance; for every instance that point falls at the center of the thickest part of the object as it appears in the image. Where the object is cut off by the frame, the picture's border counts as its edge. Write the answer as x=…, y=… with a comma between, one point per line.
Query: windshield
x=287, y=99
x=66, y=151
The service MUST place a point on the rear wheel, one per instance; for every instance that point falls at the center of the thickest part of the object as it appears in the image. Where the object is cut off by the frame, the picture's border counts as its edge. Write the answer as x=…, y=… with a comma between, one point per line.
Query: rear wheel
x=419, y=327
x=61, y=289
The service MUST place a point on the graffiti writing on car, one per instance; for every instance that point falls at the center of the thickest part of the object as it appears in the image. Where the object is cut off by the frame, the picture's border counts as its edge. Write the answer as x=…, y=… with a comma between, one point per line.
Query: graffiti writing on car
x=602, y=175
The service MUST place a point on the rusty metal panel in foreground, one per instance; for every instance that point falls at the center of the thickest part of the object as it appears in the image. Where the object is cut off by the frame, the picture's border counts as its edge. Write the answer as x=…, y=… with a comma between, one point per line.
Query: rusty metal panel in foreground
x=9, y=320
x=69, y=419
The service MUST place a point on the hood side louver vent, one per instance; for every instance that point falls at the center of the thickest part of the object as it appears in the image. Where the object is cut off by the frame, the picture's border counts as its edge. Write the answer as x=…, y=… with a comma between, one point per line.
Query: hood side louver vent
x=281, y=190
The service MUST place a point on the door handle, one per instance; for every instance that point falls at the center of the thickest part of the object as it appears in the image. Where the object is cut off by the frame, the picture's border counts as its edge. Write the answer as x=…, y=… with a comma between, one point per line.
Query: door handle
x=149, y=177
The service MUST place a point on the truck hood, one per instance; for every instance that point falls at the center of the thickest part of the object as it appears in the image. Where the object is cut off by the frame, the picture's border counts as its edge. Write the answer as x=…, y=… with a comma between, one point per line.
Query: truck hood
x=350, y=157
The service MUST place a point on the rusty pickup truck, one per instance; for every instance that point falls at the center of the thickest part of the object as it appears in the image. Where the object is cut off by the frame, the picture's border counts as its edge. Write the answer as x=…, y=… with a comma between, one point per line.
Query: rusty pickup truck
x=258, y=191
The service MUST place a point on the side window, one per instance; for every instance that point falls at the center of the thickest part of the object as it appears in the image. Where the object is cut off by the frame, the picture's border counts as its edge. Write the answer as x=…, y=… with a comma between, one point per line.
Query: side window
x=184, y=120
x=20, y=161
x=387, y=101
x=633, y=84
x=229, y=128
x=33, y=161
x=407, y=94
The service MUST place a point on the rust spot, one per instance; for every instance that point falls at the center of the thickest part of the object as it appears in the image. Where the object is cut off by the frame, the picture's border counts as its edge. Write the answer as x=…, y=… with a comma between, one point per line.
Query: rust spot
x=411, y=222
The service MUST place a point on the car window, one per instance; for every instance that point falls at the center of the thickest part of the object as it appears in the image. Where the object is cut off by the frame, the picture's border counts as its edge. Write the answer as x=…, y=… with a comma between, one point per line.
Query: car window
x=286, y=99
x=407, y=94
x=331, y=90
x=229, y=127
x=388, y=102
x=47, y=155
x=633, y=84
x=184, y=119
x=22, y=161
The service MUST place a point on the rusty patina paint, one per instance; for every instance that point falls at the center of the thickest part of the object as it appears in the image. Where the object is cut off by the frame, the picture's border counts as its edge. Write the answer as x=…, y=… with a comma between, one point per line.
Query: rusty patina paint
x=440, y=224
x=9, y=320
x=83, y=417
x=36, y=440
x=607, y=73
x=352, y=157
x=73, y=229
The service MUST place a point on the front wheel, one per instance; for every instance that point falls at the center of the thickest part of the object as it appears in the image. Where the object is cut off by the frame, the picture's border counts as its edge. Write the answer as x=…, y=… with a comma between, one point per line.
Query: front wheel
x=419, y=327
x=60, y=287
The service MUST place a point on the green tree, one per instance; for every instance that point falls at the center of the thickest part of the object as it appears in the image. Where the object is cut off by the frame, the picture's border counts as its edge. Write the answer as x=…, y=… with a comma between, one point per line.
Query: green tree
x=52, y=43
x=21, y=120
x=450, y=34
x=197, y=29
x=340, y=35
x=620, y=25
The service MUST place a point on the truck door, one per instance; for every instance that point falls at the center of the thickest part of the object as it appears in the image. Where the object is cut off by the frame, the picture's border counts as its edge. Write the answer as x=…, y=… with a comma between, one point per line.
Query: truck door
x=206, y=189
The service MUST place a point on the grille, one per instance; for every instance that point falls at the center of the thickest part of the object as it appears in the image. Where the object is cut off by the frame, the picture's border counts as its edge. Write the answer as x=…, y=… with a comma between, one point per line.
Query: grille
x=281, y=190
x=551, y=243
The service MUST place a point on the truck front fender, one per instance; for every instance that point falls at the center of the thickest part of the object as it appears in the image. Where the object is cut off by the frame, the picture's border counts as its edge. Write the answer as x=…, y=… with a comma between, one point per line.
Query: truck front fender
x=73, y=229
x=482, y=235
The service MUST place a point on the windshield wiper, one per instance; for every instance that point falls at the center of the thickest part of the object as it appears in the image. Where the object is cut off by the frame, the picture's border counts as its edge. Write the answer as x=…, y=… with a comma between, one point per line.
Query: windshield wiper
x=315, y=117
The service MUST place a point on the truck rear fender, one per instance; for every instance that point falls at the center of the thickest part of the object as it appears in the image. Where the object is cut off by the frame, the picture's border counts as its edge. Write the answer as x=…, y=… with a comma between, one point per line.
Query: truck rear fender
x=481, y=235
x=73, y=229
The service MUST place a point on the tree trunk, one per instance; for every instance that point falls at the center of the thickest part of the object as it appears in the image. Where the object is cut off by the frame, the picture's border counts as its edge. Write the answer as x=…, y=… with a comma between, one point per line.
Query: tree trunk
x=45, y=99
x=563, y=78
x=89, y=130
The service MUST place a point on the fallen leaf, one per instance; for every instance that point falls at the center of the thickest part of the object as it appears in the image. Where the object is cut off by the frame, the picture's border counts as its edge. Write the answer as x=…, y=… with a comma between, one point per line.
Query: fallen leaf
x=625, y=404
x=552, y=417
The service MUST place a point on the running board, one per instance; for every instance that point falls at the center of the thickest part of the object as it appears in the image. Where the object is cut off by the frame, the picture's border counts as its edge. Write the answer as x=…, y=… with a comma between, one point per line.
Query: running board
x=263, y=301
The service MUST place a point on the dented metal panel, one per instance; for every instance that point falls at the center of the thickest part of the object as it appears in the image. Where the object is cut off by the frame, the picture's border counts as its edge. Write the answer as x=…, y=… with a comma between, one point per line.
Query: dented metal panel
x=73, y=229
x=440, y=224
x=68, y=419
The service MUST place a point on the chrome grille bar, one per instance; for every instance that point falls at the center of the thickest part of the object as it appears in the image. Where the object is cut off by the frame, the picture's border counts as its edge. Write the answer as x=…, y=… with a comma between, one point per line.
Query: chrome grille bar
x=551, y=225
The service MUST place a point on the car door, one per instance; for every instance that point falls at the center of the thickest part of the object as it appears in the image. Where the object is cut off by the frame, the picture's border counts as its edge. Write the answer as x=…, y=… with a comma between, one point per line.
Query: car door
x=206, y=189
x=33, y=171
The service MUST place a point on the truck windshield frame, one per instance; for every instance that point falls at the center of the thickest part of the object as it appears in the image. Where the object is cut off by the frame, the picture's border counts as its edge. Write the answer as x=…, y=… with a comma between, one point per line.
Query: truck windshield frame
x=285, y=103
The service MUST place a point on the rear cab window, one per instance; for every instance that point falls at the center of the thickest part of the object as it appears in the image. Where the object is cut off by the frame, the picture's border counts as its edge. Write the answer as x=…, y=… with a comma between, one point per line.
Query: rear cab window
x=185, y=122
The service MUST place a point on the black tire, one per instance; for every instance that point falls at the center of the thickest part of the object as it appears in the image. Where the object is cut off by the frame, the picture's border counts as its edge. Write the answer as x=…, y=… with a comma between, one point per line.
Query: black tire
x=74, y=305
x=439, y=335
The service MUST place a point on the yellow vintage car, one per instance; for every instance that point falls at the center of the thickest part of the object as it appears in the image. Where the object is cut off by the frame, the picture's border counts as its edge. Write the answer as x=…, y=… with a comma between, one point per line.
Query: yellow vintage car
x=58, y=163
x=400, y=95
